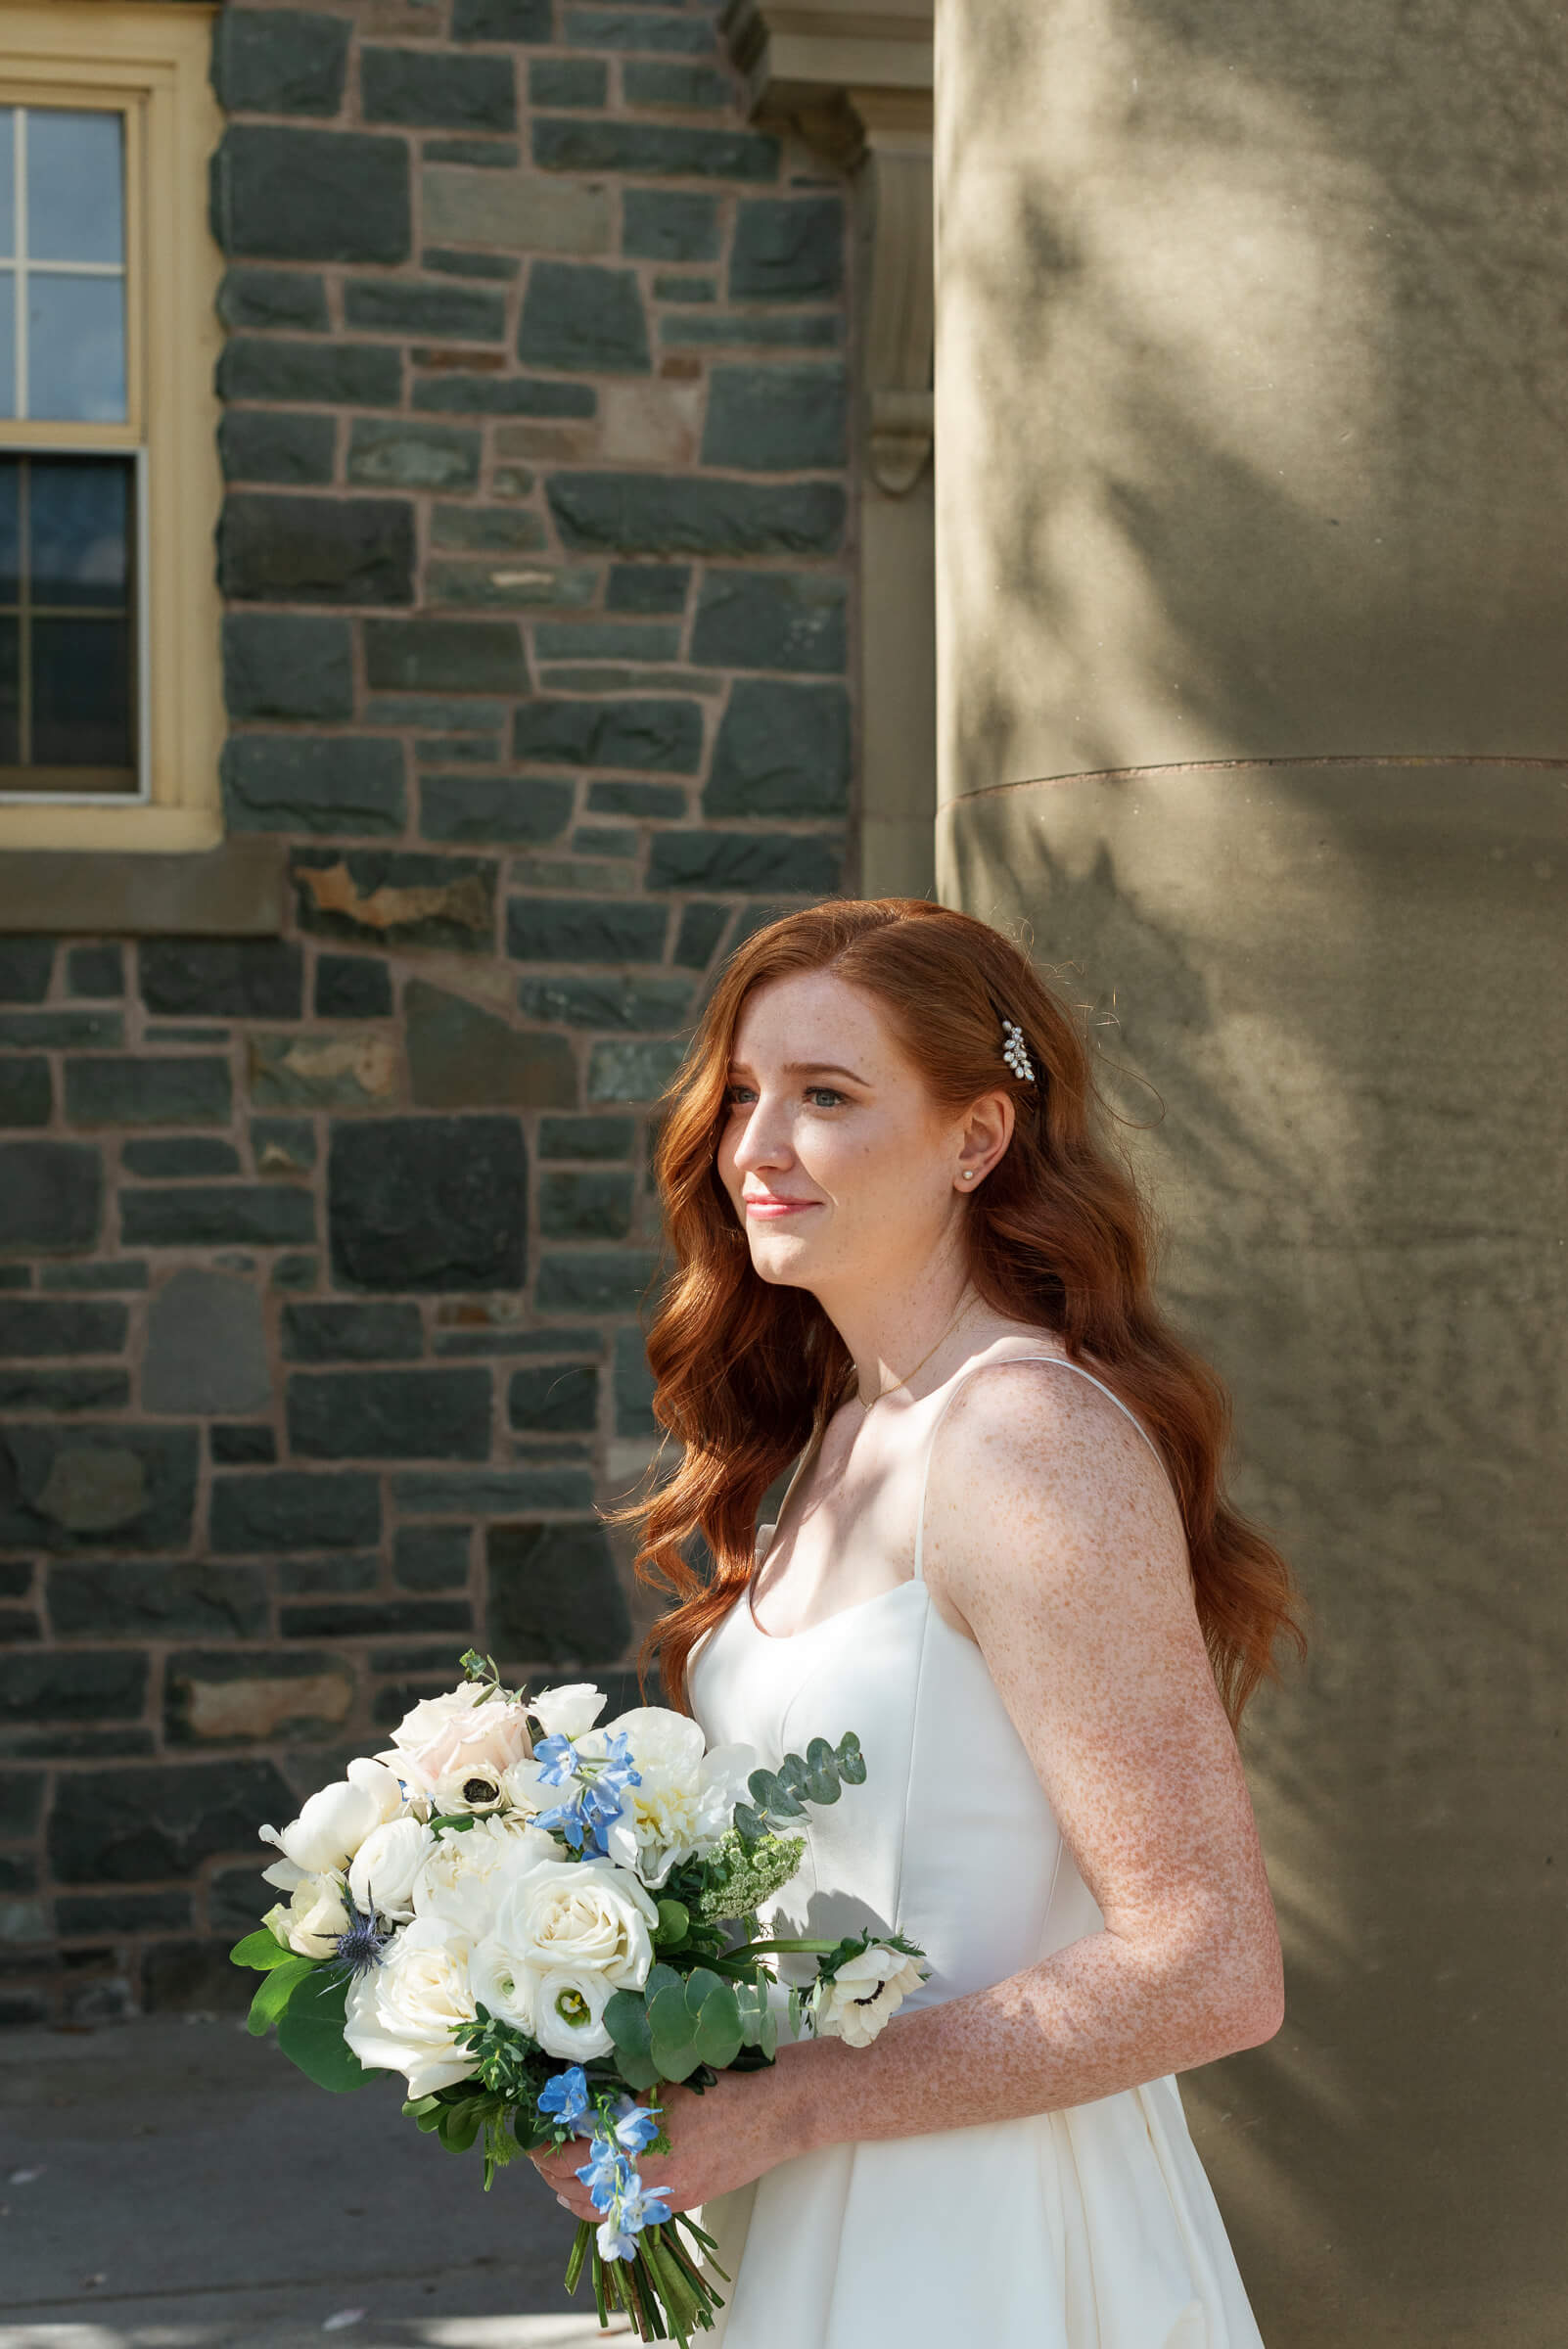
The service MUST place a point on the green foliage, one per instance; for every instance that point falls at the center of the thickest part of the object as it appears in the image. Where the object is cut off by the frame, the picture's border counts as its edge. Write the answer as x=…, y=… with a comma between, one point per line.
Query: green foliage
x=674, y=1923
x=691, y=2021
x=261, y=1949
x=855, y=1945
x=277, y=1989
x=626, y=2018
x=815, y=1778
x=310, y=2034
x=757, y=2022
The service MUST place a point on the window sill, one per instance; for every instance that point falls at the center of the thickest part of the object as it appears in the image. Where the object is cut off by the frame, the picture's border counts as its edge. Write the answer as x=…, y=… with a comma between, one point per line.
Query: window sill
x=235, y=890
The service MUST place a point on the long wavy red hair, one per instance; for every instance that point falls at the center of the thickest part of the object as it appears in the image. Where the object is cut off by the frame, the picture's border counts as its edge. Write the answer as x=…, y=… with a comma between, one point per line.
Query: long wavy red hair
x=1058, y=1237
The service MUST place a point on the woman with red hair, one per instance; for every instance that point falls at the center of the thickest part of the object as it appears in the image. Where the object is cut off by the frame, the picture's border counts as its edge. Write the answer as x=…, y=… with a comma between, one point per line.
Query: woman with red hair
x=906, y=1259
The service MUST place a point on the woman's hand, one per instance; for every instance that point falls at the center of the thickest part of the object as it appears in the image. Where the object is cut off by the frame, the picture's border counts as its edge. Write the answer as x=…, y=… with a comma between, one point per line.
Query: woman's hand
x=722, y=2140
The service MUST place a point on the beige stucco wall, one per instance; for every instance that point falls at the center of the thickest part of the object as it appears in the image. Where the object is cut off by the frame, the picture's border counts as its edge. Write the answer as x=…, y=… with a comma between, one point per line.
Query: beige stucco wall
x=1253, y=543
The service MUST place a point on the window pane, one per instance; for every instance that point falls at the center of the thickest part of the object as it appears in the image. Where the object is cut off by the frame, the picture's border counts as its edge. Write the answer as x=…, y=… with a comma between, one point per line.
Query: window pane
x=10, y=698
x=81, y=710
x=8, y=344
x=79, y=511
x=8, y=181
x=76, y=348
x=76, y=207
x=10, y=492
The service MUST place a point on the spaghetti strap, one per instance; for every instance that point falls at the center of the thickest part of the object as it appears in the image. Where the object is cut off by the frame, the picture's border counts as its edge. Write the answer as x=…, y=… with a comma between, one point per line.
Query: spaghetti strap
x=1060, y=1363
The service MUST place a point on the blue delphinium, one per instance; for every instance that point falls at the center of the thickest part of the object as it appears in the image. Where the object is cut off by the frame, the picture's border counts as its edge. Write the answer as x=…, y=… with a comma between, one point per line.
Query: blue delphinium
x=627, y=2206
x=601, y=1783
x=567, y=2099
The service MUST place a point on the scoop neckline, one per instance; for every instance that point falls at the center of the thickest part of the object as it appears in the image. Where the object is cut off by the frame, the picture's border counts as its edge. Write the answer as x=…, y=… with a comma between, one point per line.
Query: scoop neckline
x=784, y=1638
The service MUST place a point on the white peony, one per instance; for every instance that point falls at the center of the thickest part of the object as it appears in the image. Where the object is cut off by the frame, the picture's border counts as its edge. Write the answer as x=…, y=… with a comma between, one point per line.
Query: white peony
x=462, y=1876
x=333, y=1825
x=569, y=1711
x=381, y=1881
x=402, y=2013
x=445, y=1732
x=686, y=1800
x=862, y=1995
x=314, y=1920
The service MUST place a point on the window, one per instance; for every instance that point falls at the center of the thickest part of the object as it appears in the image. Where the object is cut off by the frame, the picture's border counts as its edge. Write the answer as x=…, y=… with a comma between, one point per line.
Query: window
x=110, y=716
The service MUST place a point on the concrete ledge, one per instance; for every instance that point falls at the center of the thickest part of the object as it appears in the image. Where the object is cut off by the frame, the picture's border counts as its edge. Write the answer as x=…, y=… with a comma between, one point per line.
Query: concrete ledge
x=234, y=891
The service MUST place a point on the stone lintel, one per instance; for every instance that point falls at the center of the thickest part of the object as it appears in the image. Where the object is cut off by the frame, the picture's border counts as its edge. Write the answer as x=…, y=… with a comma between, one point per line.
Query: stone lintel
x=233, y=891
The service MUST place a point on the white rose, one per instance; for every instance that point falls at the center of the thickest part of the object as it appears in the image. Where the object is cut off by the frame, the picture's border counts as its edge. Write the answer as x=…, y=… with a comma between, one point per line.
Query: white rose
x=477, y=1786
x=381, y=1881
x=589, y=1915
x=462, y=1876
x=863, y=1993
x=333, y=1825
x=402, y=2013
x=569, y=1710
x=314, y=1918
x=445, y=1733
x=687, y=1796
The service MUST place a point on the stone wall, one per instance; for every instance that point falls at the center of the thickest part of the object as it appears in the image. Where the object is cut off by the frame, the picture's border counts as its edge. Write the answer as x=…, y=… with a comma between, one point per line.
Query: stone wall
x=323, y=1253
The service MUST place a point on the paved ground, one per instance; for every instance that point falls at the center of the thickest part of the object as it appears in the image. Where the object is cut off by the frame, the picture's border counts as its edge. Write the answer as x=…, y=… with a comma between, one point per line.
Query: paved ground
x=176, y=2184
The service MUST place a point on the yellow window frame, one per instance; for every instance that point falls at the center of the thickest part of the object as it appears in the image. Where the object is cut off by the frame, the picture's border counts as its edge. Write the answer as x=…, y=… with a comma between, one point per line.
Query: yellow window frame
x=147, y=59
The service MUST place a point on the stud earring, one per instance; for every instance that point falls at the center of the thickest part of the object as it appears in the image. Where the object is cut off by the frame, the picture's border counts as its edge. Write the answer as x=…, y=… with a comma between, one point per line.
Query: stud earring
x=969, y=1173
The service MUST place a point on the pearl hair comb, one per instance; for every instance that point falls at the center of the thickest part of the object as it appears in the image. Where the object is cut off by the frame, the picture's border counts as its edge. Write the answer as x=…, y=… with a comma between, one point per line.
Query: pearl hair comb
x=1015, y=1054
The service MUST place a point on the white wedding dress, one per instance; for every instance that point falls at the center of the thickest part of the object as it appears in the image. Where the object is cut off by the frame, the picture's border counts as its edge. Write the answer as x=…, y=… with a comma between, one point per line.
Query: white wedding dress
x=1093, y=2227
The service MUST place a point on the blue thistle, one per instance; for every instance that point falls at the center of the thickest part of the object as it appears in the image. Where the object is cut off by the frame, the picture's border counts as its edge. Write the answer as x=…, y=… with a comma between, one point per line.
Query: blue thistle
x=361, y=1946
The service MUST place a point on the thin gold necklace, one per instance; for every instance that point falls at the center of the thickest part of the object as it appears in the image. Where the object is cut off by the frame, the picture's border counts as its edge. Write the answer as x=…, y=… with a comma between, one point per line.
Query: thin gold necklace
x=868, y=1408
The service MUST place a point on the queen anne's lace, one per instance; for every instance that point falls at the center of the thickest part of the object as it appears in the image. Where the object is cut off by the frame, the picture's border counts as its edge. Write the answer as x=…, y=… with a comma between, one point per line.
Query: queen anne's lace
x=1015, y=1052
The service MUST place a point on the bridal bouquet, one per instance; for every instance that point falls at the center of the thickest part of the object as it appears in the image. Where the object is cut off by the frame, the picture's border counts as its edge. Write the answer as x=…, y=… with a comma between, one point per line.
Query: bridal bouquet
x=537, y=1921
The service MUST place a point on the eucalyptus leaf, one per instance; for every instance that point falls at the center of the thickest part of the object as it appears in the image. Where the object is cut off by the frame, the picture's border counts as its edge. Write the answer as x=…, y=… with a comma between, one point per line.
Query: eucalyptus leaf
x=852, y=1761
x=718, y=2032
x=626, y=2018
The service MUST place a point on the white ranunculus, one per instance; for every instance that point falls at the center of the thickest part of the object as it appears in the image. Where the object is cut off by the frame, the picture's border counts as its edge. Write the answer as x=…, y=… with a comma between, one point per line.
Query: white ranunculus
x=313, y=1919
x=569, y=1711
x=381, y=1881
x=463, y=1875
x=862, y=1995
x=334, y=1824
x=687, y=1796
x=402, y=2013
x=467, y=1726
x=477, y=1786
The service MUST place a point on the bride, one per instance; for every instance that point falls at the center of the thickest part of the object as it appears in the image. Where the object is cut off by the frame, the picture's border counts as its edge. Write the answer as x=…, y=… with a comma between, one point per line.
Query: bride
x=906, y=1259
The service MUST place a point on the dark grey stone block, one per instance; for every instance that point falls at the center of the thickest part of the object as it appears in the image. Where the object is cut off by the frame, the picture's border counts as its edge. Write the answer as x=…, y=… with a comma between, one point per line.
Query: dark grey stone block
x=26, y=965
x=282, y=1145
x=343, y=784
x=239, y=1447
x=352, y=1333
x=242, y=978
x=353, y=373
x=554, y=1398
x=316, y=550
x=503, y=395
x=234, y=1214
x=285, y=61
x=497, y=266
x=279, y=194
x=647, y=513
x=47, y=1391
x=83, y=1488
x=787, y=248
x=782, y=750
x=286, y=665
x=431, y=1557
x=41, y=1325
x=652, y=150
x=72, y=1684
x=751, y=329
x=372, y=1619
x=586, y=1137
x=661, y=225
x=180, y=1158
x=676, y=286
x=271, y=298
x=501, y=20
x=330, y=1577
x=488, y=154
x=428, y=1203
x=585, y=1207
x=297, y=1272
x=608, y=1003
x=399, y=899
x=286, y=1509
x=701, y=926
x=390, y=1414
x=658, y=800
x=605, y=640
x=126, y=1089
x=20, y=1803
x=568, y=81
x=51, y=1195
x=622, y=28
x=384, y=453
x=206, y=1348
x=259, y=446
x=127, y=1827
x=485, y=808
x=461, y=1056
x=749, y=863
x=648, y=587
x=482, y=1493
x=554, y=1595
x=351, y=986
x=96, y=971
x=59, y=1031
x=430, y=86
x=585, y=929
x=657, y=736
x=78, y=1914
x=771, y=619
x=595, y=1280
x=776, y=419
x=391, y=306
x=662, y=83
x=488, y=530
x=27, y=1093
x=577, y=316
x=633, y=1384
x=632, y=1072
x=444, y=655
